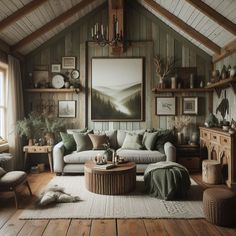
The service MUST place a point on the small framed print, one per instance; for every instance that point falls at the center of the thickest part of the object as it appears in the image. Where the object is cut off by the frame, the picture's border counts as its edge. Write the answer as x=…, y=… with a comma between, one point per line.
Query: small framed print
x=68, y=62
x=190, y=105
x=66, y=109
x=165, y=106
x=56, y=68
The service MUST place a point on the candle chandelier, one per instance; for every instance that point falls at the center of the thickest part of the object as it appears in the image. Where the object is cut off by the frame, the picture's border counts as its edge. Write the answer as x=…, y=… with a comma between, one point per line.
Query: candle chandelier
x=100, y=34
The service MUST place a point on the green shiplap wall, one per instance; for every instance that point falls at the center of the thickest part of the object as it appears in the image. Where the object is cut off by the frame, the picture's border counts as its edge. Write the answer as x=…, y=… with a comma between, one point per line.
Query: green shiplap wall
x=148, y=36
x=229, y=60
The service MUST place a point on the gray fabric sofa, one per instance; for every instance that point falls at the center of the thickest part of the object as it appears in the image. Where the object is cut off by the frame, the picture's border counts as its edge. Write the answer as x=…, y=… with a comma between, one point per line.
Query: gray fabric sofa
x=74, y=162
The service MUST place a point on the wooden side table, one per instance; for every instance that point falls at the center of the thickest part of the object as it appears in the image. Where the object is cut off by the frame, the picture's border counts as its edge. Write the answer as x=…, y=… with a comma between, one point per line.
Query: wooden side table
x=189, y=156
x=39, y=149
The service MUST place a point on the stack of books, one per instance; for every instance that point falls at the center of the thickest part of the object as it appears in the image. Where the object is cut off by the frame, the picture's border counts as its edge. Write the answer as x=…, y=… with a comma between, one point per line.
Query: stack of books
x=104, y=167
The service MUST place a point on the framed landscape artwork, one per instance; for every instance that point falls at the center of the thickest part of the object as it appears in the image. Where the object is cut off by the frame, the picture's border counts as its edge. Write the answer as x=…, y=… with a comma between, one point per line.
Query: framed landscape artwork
x=117, y=89
x=66, y=109
x=165, y=106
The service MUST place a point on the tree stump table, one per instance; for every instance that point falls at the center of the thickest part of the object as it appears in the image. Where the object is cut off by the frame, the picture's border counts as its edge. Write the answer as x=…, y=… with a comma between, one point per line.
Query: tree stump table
x=116, y=181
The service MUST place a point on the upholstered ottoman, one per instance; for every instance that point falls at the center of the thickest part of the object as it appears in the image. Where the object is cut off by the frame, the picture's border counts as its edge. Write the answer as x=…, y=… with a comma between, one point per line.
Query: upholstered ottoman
x=6, y=161
x=211, y=172
x=219, y=206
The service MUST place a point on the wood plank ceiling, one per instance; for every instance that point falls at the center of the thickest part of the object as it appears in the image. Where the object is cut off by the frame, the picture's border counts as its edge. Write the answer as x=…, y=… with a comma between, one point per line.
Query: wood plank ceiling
x=215, y=29
x=198, y=20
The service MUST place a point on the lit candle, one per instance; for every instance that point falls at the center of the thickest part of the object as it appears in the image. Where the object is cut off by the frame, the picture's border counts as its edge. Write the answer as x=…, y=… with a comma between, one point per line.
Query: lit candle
x=95, y=30
x=102, y=32
x=92, y=32
x=117, y=27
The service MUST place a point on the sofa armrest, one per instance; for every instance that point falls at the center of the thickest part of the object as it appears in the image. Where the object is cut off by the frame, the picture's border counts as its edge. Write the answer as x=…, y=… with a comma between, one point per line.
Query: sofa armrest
x=170, y=151
x=58, y=154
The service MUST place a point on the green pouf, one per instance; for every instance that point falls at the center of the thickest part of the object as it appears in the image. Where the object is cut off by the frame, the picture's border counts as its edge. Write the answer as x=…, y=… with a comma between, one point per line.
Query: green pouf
x=167, y=180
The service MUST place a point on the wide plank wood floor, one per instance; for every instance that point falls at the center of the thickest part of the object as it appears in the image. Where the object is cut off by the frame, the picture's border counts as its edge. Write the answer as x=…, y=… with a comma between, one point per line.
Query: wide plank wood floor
x=10, y=225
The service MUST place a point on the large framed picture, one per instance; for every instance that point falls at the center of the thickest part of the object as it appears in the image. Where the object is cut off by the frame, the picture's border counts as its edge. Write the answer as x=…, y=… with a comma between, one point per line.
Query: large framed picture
x=68, y=62
x=166, y=106
x=190, y=105
x=117, y=89
x=66, y=109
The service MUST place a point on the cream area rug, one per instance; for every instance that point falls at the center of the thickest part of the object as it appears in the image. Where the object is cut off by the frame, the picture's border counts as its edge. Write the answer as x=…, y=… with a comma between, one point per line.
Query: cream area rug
x=134, y=205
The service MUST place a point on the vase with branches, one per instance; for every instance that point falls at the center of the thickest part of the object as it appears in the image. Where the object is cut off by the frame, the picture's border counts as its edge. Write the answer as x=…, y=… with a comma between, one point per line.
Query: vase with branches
x=180, y=123
x=163, y=68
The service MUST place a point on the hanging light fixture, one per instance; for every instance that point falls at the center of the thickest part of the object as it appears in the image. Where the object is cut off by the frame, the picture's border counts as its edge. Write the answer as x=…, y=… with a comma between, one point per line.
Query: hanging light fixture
x=100, y=33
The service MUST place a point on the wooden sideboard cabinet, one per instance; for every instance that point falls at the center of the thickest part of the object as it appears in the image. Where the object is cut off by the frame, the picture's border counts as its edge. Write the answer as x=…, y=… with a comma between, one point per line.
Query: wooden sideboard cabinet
x=221, y=146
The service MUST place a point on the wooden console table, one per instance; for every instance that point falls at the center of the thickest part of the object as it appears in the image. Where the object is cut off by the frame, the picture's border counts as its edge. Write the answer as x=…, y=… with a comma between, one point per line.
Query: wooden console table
x=221, y=146
x=39, y=149
x=118, y=180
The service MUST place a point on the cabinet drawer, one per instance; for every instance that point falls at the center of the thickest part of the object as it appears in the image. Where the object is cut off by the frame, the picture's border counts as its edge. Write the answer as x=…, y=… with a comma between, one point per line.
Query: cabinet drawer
x=225, y=141
x=191, y=163
x=205, y=134
x=37, y=149
x=214, y=137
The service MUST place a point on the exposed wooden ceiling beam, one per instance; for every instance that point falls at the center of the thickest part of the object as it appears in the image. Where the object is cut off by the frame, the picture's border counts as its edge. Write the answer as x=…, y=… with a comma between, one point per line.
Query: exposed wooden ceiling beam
x=225, y=51
x=20, y=13
x=116, y=4
x=214, y=15
x=183, y=26
x=50, y=25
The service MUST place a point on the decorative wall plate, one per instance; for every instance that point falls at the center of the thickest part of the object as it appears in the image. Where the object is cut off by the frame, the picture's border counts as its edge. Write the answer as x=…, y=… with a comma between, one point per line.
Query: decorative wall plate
x=75, y=74
x=58, y=81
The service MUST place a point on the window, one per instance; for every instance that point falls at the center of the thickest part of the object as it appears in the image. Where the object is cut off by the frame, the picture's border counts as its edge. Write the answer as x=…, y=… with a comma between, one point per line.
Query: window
x=3, y=111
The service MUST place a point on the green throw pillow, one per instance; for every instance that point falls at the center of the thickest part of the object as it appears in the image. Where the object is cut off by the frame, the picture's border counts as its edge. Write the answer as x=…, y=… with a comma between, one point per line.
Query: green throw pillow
x=149, y=140
x=132, y=141
x=68, y=142
x=83, y=142
x=164, y=136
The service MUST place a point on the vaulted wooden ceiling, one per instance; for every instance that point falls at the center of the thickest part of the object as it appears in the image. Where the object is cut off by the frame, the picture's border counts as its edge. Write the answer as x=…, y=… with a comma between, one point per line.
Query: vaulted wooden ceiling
x=209, y=24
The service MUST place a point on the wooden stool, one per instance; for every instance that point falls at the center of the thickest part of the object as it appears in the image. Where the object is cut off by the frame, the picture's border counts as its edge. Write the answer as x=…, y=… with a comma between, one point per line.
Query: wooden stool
x=211, y=172
x=219, y=206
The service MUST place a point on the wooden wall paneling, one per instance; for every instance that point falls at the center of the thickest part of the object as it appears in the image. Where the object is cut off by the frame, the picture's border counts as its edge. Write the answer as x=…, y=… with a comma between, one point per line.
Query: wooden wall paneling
x=163, y=55
x=68, y=45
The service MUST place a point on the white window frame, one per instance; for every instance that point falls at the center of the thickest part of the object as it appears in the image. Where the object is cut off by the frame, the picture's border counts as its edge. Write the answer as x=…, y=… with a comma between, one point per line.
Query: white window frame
x=3, y=106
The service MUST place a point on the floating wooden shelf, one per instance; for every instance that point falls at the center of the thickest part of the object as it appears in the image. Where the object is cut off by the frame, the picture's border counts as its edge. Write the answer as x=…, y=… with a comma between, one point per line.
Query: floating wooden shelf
x=53, y=90
x=182, y=90
x=222, y=84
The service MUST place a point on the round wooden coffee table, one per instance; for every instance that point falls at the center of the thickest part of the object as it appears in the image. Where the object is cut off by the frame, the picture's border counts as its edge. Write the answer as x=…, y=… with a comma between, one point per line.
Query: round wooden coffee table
x=118, y=180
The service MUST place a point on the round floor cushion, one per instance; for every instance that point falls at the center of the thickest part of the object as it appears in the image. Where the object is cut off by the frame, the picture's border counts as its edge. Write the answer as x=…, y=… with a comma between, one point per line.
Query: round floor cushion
x=219, y=206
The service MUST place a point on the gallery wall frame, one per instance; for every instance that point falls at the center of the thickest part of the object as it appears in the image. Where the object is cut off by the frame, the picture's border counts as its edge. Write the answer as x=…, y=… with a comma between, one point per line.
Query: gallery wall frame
x=55, y=68
x=117, y=89
x=165, y=106
x=68, y=62
x=190, y=105
x=66, y=108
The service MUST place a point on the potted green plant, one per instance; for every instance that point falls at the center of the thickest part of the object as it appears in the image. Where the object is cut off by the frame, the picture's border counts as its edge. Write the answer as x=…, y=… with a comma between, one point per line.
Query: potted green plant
x=30, y=127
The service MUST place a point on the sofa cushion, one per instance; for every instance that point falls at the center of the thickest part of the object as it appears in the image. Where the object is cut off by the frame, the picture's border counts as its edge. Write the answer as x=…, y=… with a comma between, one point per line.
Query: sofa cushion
x=164, y=136
x=141, y=156
x=149, y=140
x=83, y=142
x=82, y=157
x=112, y=136
x=68, y=142
x=122, y=133
x=99, y=141
x=132, y=141
x=70, y=131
